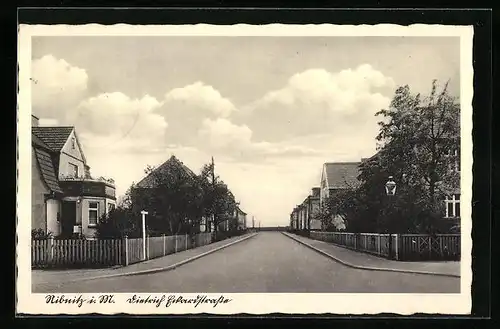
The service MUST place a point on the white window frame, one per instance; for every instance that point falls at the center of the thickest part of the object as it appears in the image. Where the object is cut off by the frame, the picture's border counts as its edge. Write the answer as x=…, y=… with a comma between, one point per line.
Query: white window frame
x=111, y=206
x=455, y=203
x=93, y=209
x=74, y=173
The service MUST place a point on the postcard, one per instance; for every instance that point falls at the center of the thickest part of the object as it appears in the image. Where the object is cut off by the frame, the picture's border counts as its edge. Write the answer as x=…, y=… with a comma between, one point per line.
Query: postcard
x=256, y=169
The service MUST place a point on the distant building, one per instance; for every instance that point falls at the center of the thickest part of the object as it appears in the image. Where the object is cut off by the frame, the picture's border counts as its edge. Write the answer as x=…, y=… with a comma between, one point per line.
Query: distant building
x=242, y=219
x=303, y=215
x=338, y=176
x=66, y=200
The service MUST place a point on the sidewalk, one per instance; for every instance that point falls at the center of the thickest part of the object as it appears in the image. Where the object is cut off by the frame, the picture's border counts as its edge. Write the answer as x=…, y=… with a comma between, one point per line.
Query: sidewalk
x=54, y=276
x=366, y=261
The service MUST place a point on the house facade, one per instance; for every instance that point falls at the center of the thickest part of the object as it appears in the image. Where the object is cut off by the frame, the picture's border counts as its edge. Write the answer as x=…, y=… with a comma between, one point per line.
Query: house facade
x=338, y=176
x=66, y=199
x=242, y=219
x=303, y=215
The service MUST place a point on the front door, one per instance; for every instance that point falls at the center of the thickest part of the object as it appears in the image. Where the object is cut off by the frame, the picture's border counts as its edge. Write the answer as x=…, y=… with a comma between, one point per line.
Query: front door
x=68, y=217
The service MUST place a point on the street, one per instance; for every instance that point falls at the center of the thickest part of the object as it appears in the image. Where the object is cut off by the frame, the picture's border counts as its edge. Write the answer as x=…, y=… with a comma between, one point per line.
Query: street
x=269, y=262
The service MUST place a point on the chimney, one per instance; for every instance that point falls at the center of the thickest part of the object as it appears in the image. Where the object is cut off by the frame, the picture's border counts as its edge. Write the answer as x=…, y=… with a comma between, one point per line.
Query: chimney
x=34, y=121
x=315, y=191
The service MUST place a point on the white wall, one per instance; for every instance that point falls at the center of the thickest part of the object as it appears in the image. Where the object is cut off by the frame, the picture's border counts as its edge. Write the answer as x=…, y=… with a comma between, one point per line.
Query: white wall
x=64, y=165
x=73, y=156
x=53, y=208
x=84, y=207
x=315, y=224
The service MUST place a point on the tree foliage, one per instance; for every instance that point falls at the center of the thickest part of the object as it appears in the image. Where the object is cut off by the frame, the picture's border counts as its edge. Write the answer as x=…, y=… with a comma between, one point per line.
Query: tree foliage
x=417, y=138
x=219, y=204
x=177, y=201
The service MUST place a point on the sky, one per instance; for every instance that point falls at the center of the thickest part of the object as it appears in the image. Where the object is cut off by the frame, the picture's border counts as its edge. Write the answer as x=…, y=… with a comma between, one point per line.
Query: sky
x=270, y=110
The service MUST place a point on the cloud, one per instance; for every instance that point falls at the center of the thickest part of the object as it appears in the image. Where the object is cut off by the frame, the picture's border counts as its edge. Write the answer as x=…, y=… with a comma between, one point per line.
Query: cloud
x=317, y=101
x=113, y=122
x=186, y=108
x=221, y=136
x=48, y=122
x=201, y=97
x=56, y=86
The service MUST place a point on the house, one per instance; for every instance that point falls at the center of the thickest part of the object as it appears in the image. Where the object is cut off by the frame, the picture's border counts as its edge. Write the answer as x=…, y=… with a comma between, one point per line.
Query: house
x=294, y=218
x=314, y=207
x=153, y=179
x=303, y=215
x=242, y=219
x=452, y=201
x=338, y=176
x=66, y=200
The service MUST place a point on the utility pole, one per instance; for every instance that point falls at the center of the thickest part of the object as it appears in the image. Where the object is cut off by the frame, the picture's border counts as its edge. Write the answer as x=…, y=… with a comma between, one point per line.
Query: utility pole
x=213, y=191
x=253, y=222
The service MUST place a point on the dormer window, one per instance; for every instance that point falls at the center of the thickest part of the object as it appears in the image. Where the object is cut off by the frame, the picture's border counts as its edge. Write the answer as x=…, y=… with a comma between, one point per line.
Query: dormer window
x=73, y=170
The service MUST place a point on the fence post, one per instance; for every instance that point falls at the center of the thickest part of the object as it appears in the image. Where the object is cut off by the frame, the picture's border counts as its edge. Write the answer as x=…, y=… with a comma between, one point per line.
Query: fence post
x=148, y=240
x=430, y=247
x=50, y=248
x=379, y=247
x=175, y=236
x=186, y=242
x=125, y=249
x=396, y=244
x=164, y=252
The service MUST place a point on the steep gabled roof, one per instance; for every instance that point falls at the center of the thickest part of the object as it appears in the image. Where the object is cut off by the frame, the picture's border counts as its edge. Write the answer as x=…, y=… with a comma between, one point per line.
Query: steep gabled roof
x=37, y=142
x=148, y=181
x=53, y=137
x=342, y=174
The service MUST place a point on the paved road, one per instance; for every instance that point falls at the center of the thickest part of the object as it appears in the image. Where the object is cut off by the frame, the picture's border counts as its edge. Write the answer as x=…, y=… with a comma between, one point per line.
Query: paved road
x=269, y=262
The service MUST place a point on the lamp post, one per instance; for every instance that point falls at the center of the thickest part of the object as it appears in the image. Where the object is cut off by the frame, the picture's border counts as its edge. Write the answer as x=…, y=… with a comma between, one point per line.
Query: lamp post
x=144, y=213
x=390, y=191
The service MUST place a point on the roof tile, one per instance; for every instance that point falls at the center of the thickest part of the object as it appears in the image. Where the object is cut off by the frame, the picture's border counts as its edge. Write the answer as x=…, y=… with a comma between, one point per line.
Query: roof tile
x=47, y=170
x=342, y=174
x=53, y=137
x=148, y=181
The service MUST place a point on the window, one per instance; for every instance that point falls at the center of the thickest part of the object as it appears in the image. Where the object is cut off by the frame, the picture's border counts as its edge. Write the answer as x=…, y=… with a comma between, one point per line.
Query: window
x=73, y=170
x=73, y=143
x=453, y=206
x=93, y=213
x=111, y=207
x=454, y=154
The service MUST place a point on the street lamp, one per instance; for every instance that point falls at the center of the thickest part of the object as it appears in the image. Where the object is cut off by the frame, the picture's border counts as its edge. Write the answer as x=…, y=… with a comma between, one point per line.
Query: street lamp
x=390, y=191
x=390, y=187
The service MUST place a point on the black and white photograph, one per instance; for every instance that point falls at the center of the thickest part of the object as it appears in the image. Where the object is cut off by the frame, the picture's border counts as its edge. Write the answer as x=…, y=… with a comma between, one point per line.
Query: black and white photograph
x=221, y=169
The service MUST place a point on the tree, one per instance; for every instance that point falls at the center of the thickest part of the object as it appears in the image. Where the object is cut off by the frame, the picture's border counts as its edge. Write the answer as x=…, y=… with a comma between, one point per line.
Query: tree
x=219, y=204
x=174, y=199
x=118, y=223
x=416, y=135
x=338, y=208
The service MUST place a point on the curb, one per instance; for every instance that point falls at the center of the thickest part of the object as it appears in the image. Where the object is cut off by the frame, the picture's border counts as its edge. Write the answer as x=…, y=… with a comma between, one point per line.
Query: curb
x=159, y=269
x=324, y=253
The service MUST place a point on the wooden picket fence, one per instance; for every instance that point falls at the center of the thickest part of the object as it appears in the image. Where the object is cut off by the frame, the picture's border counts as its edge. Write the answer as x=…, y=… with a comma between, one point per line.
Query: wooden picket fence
x=81, y=253
x=404, y=247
